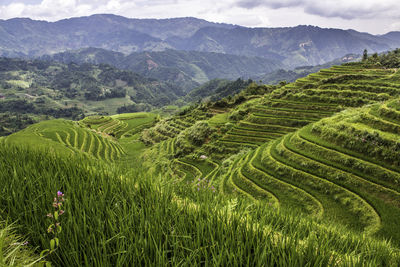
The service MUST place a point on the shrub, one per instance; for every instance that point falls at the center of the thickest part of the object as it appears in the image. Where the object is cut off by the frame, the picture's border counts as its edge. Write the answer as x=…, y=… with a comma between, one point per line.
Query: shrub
x=238, y=115
x=199, y=132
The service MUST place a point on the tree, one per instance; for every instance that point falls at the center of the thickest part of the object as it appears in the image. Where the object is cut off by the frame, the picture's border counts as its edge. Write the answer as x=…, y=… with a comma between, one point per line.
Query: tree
x=365, y=55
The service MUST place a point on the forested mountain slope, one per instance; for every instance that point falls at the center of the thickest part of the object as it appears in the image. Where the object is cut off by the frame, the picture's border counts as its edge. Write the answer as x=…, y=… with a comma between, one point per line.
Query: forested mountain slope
x=294, y=46
x=184, y=69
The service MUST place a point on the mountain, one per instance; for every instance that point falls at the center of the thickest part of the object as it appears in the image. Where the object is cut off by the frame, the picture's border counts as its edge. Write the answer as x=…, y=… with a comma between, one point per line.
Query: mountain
x=185, y=69
x=301, y=45
x=394, y=36
x=294, y=46
x=105, y=31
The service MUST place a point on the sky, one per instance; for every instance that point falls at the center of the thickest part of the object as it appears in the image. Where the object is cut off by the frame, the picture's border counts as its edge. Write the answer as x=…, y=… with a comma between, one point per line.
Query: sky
x=373, y=16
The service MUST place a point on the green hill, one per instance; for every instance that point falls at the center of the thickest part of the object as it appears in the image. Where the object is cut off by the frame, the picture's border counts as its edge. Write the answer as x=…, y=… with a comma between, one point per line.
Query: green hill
x=299, y=174
x=283, y=163
x=108, y=210
x=299, y=72
x=100, y=137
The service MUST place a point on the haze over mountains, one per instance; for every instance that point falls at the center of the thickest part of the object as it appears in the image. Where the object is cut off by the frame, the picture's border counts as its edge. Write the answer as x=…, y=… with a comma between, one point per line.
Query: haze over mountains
x=293, y=46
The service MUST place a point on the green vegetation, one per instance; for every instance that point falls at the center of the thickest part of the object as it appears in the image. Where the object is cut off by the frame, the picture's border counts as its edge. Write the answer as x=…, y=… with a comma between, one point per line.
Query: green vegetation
x=14, y=250
x=101, y=137
x=145, y=219
x=217, y=89
x=37, y=90
x=286, y=173
x=390, y=59
x=11, y=122
x=266, y=176
x=183, y=69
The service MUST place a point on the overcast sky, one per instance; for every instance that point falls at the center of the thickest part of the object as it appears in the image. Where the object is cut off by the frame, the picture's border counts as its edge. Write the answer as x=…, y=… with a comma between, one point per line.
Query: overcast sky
x=374, y=16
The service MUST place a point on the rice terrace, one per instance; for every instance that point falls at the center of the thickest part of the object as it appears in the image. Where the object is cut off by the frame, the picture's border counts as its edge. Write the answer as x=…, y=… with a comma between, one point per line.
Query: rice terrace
x=124, y=142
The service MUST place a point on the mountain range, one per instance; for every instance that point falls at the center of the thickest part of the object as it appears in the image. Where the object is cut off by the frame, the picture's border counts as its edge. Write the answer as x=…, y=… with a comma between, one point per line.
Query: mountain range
x=184, y=69
x=293, y=46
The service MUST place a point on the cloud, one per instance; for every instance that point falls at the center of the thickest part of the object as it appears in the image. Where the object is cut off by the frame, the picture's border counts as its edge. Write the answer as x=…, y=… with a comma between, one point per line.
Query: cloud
x=275, y=4
x=345, y=9
x=45, y=9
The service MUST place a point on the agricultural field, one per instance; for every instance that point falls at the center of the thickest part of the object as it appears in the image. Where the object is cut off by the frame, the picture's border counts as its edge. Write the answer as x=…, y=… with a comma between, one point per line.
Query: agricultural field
x=101, y=137
x=343, y=168
x=296, y=155
x=301, y=174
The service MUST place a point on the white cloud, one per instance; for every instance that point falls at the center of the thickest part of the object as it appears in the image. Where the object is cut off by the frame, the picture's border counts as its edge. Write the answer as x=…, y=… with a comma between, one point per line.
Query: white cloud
x=13, y=10
x=346, y=9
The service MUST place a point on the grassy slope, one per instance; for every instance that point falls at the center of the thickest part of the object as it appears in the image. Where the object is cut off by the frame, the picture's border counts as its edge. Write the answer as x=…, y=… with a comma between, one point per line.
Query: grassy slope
x=153, y=223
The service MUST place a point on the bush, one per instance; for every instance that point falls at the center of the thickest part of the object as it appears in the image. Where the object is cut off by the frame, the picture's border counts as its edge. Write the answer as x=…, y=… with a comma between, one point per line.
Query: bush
x=237, y=115
x=199, y=132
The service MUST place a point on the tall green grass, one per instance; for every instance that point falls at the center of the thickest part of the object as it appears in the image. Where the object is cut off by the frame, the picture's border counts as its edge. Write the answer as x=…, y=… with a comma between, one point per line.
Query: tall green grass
x=122, y=217
x=14, y=250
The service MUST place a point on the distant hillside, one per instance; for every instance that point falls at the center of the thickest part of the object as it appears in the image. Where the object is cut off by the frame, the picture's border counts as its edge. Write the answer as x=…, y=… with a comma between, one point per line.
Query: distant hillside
x=103, y=30
x=42, y=89
x=394, y=36
x=186, y=69
x=292, y=75
x=294, y=46
x=301, y=45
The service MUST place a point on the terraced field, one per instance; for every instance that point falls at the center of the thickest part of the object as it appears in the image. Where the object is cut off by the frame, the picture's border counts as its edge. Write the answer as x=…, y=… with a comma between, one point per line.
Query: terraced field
x=196, y=170
x=309, y=99
x=345, y=169
x=121, y=125
x=283, y=174
x=188, y=169
x=68, y=137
